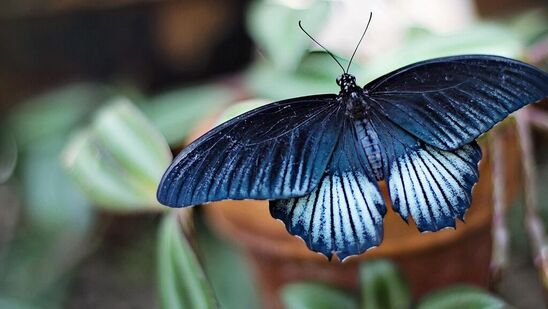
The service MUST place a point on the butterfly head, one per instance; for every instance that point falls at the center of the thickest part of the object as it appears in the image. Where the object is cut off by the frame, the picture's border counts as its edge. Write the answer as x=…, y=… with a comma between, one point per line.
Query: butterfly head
x=347, y=82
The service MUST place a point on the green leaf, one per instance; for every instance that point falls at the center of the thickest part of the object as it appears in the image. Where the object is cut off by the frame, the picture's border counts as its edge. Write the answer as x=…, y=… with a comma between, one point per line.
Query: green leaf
x=9, y=215
x=317, y=73
x=315, y=296
x=228, y=270
x=267, y=82
x=175, y=113
x=182, y=282
x=53, y=237
x=11, y=303
x=39, y=264
x=101, y=178
x=119, y=160
x=417, y=32
x=8, y=156
x=382, y=286
x=457, y=297
x=54, y=112
x=51, y=200
x=274, y=27
x=321, y=65
x=132, y=141
x=55, y=234
x=531, y=26
x=481, y=38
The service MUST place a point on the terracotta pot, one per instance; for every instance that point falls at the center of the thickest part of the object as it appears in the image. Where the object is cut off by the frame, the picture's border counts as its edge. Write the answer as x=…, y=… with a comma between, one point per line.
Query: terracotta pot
x=428, y=261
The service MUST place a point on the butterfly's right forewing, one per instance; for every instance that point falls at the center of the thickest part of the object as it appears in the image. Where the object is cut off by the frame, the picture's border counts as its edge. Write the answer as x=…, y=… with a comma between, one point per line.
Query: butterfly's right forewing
x=448, y=102
x=277, y=151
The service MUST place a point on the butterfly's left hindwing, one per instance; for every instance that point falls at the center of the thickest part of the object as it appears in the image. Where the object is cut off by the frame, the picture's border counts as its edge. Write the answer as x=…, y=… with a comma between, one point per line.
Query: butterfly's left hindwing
x=277, y=151
x=344, y=214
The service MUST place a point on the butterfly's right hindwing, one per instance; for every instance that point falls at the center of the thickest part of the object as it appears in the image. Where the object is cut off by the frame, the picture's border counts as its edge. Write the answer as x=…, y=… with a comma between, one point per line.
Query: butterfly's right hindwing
x=276, y=151
x=433, y=186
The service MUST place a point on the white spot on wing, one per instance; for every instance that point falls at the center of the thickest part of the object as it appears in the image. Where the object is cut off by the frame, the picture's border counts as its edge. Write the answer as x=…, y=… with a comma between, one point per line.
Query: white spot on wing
x=338, y=208
x=303, y=212
x=360, y=205
x=322, y=203
x=371, y=190
x=435, y=195
x=354, y=211
x=418, y=205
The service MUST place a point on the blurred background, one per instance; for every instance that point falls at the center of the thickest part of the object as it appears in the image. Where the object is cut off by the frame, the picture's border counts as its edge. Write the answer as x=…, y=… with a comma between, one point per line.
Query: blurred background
x=96, y=97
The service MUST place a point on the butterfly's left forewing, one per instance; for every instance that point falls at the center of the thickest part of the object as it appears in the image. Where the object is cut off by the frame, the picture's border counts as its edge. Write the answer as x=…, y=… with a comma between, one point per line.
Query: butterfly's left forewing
x=276, y=151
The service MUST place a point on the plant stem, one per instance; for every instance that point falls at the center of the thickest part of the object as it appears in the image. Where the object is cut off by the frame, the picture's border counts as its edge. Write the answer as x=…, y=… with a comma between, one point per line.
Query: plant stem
x=499, y=260
x=533, y=224
x=537, y=118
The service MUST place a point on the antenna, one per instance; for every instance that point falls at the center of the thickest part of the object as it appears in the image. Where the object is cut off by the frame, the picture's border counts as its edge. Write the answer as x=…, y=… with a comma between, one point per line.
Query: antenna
x=356, y=49
x=332, y=56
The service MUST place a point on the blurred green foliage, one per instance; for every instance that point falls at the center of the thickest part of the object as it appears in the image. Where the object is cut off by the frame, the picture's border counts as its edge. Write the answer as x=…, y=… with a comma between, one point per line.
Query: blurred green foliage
x=480, y=38
x=52, y=235
x=119, y=159
x=15, y=304
x=382, y=286
x=8, y=155
x=55, y=112
x=176, y=112
x=227, y=269
x=315, y=74
x=283, y=43
x=531, y=26
x=315, y=295
x=182, y=282
x=461, y=296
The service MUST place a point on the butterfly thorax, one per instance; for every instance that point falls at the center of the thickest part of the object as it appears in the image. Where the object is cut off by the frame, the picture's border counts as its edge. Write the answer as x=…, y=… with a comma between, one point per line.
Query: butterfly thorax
x=352, y=96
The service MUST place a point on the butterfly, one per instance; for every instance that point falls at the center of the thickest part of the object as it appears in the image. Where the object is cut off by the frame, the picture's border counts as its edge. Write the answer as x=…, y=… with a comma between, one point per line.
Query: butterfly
x=318, y=159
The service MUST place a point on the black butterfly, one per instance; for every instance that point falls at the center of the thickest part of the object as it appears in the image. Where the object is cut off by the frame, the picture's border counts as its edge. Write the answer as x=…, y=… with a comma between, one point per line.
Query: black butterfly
x=318, y=158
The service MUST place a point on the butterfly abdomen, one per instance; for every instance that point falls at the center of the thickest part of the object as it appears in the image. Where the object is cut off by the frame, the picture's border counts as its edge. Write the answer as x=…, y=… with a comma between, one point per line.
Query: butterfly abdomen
x=371, y=145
